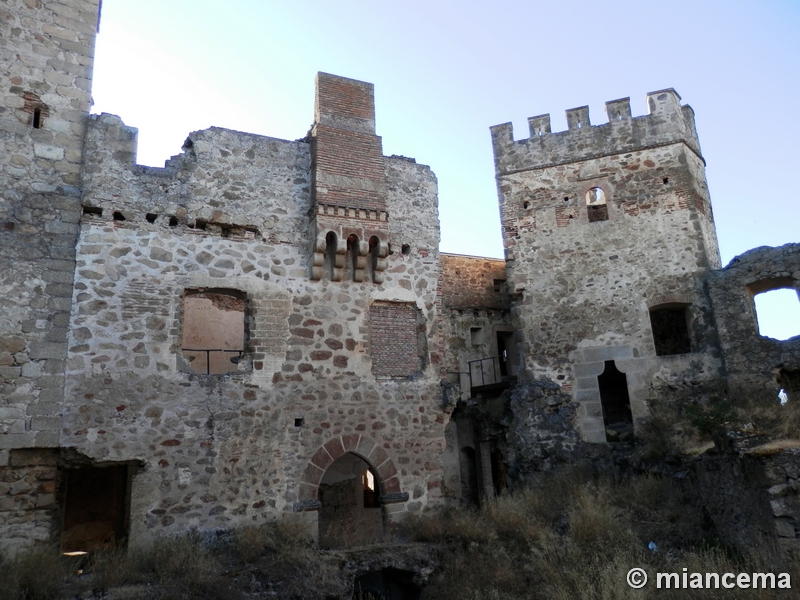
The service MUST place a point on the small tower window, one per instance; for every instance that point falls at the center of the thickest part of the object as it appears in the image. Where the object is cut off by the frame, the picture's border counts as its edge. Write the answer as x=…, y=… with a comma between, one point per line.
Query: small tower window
x=670, y=330
x=37, y=118
x=596, y=205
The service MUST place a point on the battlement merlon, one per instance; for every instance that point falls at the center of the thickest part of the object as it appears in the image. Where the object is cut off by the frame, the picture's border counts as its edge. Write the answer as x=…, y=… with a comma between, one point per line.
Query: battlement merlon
x=668, y=122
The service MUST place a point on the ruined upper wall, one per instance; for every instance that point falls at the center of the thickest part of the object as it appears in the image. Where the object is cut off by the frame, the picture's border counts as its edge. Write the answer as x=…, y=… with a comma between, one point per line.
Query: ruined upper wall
x=225, y=182
x=755, y=364
x=667, y=123
x=474, y=282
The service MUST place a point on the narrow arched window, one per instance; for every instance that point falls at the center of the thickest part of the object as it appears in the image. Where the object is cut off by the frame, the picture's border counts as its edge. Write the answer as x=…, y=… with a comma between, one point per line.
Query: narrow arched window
x=374, y=253
x=331, y=243
x=352, y=254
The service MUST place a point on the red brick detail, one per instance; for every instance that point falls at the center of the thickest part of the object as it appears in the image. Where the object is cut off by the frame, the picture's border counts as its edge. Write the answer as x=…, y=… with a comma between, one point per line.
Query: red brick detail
x=365, y=446
x=313, y=474
x=387, y=470
x=350, y=442
x=394, y=343
x=566, y=215
x=391, y=486
x=377, y=457
x=307, y=492
x=348, y=156
x=335, y=448
x=322, y=459
x=345, y=98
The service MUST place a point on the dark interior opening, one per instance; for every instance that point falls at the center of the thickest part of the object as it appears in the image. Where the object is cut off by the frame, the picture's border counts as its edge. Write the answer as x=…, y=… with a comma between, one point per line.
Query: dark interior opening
x=37, y=118
x=469, y=476
x=670, y=331
x=118, y=216
x=789, y=380
x=351, y=513
x=352, y=254
x=151, y=217
x=597, y=213
x=93, y=211
x=331, y=242
x=386, y=584
x=505, y=341
x=96, y=508
x=498, y=472
x=616, y=402
x=173, y=221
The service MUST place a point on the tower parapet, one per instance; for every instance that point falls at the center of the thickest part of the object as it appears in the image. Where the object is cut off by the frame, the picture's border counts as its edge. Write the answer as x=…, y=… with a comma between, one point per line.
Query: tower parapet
x=668, y=122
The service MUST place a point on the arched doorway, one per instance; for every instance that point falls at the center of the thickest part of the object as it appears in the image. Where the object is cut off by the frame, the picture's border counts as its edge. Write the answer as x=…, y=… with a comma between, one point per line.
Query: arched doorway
x=350, y=513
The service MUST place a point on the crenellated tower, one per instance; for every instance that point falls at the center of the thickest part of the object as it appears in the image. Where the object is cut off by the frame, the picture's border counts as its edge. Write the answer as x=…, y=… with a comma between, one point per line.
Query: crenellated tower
x=608, y=231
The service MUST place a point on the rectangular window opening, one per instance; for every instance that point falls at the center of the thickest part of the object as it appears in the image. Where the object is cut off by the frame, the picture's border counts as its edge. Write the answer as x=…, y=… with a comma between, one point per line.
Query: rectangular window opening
x=670, y=330
x=214, y=332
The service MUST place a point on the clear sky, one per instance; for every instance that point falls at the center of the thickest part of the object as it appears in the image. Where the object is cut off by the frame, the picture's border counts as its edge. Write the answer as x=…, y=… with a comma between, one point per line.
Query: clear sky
x=445, y=71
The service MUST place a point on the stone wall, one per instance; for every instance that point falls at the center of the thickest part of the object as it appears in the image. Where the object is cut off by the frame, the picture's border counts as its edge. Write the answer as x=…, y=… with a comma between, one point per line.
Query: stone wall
x=232, y=213
x=27, y=498
x=476, y=305
x=756, y=365
x=46, y=57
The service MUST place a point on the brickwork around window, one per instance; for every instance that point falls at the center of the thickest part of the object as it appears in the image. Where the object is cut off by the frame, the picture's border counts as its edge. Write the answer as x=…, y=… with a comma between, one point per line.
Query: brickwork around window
x=395, y=346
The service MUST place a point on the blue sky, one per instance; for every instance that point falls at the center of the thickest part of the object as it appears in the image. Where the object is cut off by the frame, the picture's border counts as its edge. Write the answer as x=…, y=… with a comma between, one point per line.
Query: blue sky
x=444, y=72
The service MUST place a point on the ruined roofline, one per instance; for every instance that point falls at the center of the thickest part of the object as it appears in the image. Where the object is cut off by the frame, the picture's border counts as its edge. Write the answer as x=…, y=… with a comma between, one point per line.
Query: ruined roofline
x=503, y=260
x=667, y=123
x=127, y=139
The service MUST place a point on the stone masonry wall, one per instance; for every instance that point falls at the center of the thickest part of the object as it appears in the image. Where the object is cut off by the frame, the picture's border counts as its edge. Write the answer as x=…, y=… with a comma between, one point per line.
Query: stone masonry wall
x=27, y=498
x=755, y=363
x=221, y=450
x=46, y=57
x=476, y=305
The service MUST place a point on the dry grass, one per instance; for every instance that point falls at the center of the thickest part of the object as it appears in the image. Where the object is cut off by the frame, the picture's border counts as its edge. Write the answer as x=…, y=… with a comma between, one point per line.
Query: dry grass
x=568, y=536
x=577, y=543
x=34, y=575
x=775, y=447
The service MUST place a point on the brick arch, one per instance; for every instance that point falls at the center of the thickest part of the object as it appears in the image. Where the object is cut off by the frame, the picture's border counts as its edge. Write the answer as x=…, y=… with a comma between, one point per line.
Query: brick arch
x=364, y=448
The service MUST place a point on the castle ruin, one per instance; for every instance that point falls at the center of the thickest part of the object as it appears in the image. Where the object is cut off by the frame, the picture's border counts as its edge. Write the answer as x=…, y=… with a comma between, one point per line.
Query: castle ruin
x=267, y=329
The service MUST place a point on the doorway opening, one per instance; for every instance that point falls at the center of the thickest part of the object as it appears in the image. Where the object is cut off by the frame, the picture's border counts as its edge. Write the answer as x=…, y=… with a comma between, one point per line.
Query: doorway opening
x=616, y=403
x=351, y=513
x=505, y=346
x=469, y=476
x=96, y=507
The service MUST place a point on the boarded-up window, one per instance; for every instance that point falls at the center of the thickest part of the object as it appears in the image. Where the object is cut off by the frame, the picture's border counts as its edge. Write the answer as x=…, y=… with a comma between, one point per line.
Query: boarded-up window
x=395, y=345
x=213, y=330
